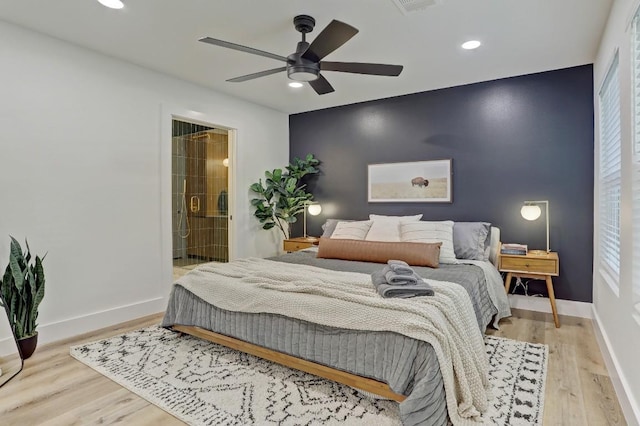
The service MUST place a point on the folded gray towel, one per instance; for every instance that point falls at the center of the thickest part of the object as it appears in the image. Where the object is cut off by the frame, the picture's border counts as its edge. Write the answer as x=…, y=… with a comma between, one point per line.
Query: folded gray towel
x=402, y=291
x=378, y=278
x=386, y=276
x=397, y=279
x=400, y=267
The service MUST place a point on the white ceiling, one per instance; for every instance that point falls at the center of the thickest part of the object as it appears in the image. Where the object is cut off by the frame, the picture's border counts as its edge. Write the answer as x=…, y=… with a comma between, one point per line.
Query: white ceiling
x=518, y=36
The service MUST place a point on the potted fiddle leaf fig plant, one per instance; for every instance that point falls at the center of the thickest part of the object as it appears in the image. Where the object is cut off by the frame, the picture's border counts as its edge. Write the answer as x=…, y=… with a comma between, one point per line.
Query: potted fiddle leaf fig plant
x=21, y=291
x=283, y=195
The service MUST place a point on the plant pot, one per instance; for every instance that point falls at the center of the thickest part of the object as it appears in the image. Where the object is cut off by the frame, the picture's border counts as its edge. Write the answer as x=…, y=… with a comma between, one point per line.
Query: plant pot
x=28, y=346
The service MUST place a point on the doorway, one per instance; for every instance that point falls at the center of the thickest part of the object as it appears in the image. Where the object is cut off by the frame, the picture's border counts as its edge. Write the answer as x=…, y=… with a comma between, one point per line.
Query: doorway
x=200, y=194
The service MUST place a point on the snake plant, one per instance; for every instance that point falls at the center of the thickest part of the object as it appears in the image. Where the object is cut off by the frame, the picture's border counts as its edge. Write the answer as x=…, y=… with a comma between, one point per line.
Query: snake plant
x=22, y=290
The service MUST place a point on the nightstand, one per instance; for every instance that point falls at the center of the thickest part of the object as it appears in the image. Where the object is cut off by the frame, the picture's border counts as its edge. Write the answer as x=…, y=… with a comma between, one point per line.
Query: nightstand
x=537, y=265
x=300, y=243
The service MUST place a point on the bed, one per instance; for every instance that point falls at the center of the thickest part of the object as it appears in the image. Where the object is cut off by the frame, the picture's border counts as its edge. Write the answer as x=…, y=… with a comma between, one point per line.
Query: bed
x=383, y=362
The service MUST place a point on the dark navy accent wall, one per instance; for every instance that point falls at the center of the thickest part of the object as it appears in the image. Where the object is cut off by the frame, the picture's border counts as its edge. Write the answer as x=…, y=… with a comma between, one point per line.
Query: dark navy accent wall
x=515, y=139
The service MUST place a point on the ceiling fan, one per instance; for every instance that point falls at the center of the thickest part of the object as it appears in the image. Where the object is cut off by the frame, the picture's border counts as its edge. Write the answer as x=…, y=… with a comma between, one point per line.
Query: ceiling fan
x=306, y=62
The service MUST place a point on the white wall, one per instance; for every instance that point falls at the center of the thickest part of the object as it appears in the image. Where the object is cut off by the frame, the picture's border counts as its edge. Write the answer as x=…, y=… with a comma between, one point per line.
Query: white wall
x=84, y=175
x=620, y=331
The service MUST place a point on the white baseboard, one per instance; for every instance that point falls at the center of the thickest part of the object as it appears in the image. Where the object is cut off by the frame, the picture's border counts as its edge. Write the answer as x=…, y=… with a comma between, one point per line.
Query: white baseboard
x=541, y=304
x=629, y=407
x=70, y=327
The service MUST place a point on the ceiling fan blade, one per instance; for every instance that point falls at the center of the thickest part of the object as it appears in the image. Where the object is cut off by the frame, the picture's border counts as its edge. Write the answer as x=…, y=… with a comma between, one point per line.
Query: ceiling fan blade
x=332, y=36
x=321, y=85
x=362, y=68
x=241, y=48
x=257, y=75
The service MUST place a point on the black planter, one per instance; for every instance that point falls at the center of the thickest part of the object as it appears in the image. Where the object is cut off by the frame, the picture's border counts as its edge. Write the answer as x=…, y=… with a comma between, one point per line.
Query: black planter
x=28, y=346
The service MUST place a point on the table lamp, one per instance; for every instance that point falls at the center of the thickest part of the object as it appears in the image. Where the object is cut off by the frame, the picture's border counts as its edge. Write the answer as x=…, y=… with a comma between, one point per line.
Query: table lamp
x=314, y=210
x=531, y=211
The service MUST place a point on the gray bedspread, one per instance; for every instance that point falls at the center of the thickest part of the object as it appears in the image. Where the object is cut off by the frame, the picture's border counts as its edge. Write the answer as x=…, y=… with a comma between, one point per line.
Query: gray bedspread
x=409, y=366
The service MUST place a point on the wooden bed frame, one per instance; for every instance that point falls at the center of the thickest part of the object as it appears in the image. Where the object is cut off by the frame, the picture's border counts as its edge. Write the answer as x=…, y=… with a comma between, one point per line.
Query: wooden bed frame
x=359, y=382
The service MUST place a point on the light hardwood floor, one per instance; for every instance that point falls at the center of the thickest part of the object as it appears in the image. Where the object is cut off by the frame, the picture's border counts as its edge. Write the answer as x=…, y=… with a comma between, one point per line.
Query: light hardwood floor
x=579, y=389
x=55, y=389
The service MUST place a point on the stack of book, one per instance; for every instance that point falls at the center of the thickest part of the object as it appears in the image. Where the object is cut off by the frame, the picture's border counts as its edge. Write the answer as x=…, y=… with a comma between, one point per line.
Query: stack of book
x=520, y=249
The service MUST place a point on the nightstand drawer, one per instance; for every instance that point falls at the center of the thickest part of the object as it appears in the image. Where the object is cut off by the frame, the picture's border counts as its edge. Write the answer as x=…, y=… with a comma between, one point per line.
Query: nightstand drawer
x=290, y=246
x=528, y=264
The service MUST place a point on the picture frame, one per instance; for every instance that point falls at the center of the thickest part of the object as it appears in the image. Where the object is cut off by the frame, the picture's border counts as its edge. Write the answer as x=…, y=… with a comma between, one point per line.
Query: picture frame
x=411, y=182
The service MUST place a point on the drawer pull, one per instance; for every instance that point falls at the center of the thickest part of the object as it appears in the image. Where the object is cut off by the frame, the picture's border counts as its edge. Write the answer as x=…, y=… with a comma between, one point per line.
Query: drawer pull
x=526, y=264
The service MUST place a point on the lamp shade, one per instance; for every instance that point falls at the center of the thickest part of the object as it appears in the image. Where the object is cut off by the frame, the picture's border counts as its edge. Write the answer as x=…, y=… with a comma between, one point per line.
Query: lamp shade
x=530, y=212
x=314, y=209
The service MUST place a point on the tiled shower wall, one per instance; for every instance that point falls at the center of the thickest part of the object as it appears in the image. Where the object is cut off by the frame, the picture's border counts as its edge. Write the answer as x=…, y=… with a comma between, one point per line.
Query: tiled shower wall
x=200, y=213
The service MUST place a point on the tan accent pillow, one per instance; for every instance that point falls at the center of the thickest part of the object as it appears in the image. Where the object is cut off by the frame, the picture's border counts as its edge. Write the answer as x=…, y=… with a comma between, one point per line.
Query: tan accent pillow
x=416, y=254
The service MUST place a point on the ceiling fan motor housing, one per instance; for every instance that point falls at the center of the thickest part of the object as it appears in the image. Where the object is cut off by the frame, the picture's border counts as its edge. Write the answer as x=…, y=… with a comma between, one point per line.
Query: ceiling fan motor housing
x=299, y=68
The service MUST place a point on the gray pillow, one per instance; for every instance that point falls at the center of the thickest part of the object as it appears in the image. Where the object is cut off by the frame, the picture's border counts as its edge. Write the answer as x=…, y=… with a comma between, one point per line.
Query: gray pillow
x=330, y=226
x=470, y=239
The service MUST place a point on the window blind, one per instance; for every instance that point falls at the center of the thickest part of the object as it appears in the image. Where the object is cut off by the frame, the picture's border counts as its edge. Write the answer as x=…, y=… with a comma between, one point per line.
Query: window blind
x=609, y=176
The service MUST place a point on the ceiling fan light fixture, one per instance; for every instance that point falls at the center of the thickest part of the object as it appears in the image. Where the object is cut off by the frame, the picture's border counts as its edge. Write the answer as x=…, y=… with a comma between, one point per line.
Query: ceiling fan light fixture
x=295, y=84
x=112, y=4
x=471, y=44
x=303, y=76
x=303, y=72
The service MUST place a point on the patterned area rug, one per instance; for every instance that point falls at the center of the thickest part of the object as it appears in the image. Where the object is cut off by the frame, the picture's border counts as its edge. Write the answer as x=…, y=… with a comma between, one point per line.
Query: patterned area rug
x=203, y=383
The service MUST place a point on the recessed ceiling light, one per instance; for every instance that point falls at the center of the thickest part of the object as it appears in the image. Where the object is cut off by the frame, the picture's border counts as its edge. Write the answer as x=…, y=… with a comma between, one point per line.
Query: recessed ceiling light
x=113, y=4
x=295, y=84
x=471, y=44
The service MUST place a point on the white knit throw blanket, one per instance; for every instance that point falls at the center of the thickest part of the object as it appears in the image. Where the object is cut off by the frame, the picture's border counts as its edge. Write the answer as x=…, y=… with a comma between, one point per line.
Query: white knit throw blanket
x=348, y=300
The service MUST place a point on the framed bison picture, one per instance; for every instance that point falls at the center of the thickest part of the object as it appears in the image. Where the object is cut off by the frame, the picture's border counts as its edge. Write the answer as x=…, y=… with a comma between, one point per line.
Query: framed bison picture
x=414, y=182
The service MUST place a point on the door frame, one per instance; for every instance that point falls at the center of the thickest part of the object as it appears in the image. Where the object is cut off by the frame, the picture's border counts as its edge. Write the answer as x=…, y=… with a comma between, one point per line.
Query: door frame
x=168, y=114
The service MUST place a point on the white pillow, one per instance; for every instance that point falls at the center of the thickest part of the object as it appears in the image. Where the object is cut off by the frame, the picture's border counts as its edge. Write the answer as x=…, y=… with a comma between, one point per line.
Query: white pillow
x=431, y=232
x=351, y=230
x=387, y=228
